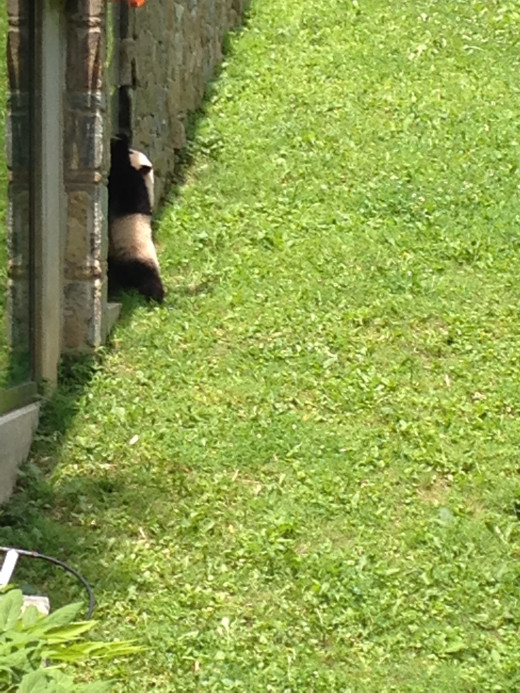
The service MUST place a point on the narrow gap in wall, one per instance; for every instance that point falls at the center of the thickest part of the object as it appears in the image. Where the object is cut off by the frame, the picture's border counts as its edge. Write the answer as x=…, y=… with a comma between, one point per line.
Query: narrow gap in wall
x=124, y=120
x=125, y=113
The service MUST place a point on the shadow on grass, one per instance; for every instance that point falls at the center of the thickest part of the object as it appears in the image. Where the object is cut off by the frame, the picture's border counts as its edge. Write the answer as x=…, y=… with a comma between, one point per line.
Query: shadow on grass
x=77, y=520
x=26, y=521
x=51, y=520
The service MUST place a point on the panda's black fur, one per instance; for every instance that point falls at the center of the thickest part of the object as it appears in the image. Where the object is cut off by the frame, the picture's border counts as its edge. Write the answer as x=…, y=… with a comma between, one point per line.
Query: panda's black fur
x=132, y=258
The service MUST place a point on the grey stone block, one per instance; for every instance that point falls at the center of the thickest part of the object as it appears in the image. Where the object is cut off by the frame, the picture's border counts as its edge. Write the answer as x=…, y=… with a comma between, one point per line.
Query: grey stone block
x=16, y=433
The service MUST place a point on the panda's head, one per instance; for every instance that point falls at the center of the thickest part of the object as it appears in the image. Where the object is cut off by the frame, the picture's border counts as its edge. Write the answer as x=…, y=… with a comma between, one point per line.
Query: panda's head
x=142, y=164
x=130, y=182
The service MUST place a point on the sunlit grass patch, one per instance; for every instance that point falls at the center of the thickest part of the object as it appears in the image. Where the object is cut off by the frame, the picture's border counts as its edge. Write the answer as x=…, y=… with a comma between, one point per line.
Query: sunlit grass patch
x=301, y=474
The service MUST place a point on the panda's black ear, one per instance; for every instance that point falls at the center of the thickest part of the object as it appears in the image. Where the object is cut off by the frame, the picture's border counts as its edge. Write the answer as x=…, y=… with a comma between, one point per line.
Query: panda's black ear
x=119, y=150
x=122, y=137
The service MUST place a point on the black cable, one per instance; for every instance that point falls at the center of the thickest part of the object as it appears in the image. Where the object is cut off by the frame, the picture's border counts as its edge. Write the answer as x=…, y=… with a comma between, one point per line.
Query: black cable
x=61, y=564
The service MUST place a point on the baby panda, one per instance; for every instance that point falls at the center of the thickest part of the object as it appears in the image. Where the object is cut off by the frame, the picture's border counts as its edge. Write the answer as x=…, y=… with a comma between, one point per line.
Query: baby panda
x=132, y=258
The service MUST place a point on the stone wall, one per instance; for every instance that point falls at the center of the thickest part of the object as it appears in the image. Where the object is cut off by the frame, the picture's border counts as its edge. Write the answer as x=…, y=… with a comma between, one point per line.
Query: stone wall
x=139, y=71
x=168, y=52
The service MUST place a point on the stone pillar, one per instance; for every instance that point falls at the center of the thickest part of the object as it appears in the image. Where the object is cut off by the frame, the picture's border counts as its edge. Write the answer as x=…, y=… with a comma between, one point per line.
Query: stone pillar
x=18, y=151
x=86, y=152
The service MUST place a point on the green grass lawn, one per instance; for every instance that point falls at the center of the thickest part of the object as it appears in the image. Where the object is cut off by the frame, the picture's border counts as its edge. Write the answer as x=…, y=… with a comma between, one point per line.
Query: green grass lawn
x=302, y=473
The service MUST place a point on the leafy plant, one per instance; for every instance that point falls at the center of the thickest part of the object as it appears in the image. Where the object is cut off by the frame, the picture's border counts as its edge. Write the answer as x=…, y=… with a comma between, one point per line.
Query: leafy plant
x=32, y=646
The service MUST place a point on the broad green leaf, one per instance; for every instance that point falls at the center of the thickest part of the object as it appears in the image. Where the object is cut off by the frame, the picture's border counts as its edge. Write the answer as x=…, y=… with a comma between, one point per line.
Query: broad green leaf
x=21, y=638
x=85, y=650
x=14, y=660
x=35, y=682
x=68, y=633
x=30, y=616
x=61, y=617
x=10, y=609
x=59, y=682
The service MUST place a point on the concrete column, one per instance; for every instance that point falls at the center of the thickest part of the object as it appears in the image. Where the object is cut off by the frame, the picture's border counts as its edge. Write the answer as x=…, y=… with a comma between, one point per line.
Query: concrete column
x=49, y=219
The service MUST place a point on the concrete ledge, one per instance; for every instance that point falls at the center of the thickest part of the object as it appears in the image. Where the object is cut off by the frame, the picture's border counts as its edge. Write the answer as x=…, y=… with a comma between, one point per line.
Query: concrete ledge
x=16, y=433
x=113, y=311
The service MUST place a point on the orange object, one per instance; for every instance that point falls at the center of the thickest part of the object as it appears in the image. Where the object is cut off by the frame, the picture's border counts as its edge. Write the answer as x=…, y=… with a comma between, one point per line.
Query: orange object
x=134, y=3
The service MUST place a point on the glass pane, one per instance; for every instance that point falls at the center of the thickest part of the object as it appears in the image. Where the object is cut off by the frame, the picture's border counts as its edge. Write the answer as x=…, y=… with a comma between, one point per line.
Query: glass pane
x=15, y=151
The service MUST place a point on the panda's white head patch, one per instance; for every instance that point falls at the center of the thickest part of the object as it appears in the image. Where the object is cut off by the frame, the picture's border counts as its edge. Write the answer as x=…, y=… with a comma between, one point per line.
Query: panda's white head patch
x=142, y=163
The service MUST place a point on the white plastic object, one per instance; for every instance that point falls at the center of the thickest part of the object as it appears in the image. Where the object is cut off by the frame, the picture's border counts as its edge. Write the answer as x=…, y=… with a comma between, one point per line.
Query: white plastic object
x=8, y=566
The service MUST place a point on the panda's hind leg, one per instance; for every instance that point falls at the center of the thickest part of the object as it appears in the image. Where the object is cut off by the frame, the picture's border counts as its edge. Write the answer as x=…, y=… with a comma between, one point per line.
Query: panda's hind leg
x=141, y=275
